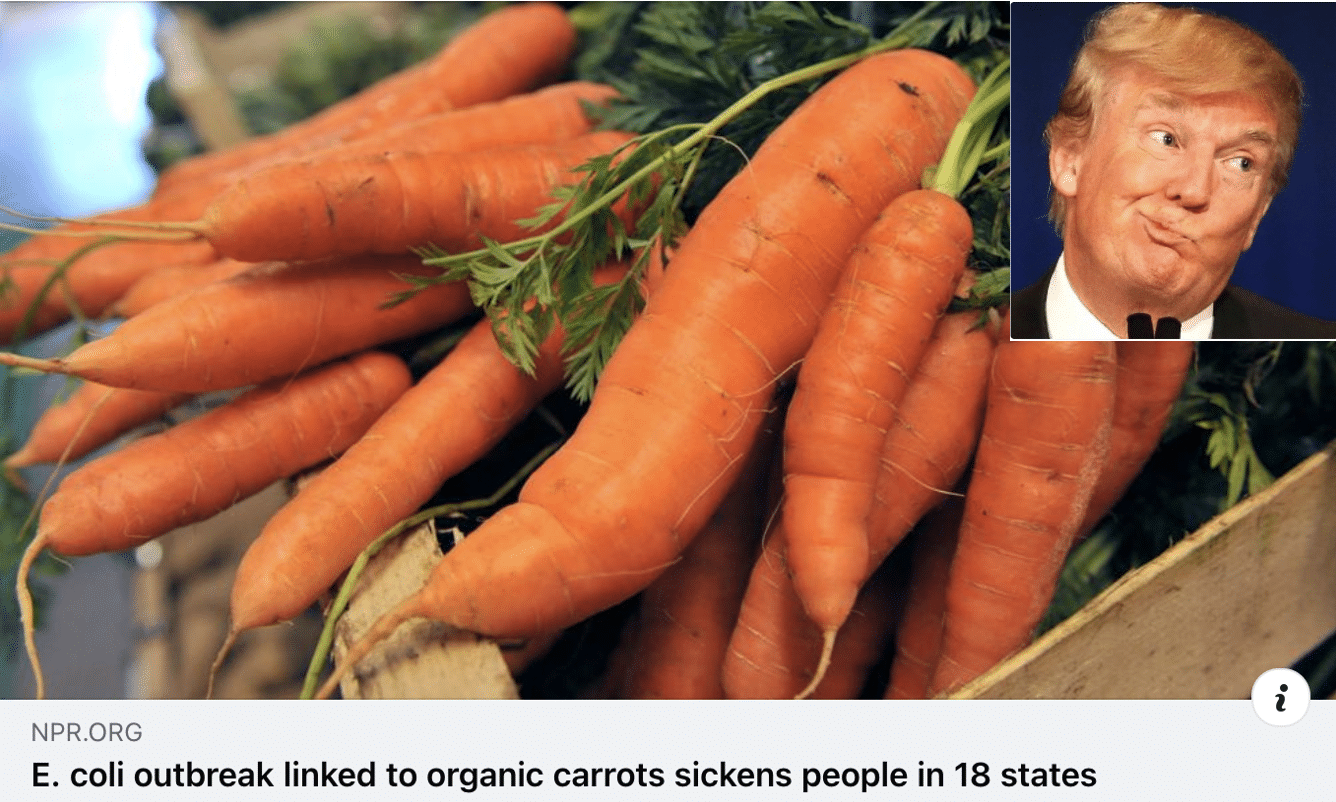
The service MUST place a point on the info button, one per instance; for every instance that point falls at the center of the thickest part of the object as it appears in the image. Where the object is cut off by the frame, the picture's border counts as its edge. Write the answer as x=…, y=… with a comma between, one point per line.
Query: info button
x=1280, y=696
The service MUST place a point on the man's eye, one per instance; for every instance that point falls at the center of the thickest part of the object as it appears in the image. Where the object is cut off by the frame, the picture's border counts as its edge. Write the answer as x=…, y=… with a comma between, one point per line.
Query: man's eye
x=1242, y=163
x=1164, y=138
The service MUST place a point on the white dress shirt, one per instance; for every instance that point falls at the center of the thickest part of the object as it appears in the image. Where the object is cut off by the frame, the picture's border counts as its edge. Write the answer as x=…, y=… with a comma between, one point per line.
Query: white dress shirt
x=1069, y=319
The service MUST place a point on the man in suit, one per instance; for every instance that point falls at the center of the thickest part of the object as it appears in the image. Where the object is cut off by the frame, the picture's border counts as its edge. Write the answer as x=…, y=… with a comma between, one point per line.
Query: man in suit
x=1175, y=131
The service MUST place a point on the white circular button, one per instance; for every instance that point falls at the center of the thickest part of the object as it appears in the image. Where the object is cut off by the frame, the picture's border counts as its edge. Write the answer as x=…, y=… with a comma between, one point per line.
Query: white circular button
x=1280, y=696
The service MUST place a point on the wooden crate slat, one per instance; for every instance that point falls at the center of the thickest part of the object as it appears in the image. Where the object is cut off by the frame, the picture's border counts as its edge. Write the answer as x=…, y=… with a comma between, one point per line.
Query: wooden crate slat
x=1253, y=589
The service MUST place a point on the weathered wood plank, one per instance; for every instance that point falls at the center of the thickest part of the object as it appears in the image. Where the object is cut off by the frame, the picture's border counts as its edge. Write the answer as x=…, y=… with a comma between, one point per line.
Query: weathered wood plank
x=421, y=660
x=1253, y=589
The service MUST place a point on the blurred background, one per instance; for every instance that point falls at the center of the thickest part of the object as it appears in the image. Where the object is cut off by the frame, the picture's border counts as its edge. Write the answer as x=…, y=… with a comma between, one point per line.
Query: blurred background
x=76, y=78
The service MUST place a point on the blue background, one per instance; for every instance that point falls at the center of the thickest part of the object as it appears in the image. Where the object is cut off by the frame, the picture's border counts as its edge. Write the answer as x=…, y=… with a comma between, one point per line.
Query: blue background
x=1290, y=261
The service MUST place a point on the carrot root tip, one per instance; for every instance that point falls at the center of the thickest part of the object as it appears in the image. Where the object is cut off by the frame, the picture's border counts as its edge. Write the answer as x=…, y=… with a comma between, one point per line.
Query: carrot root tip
x=827, y=649
x=24, y=594
x=221, y=657
x=359, y=650
x=13, y=360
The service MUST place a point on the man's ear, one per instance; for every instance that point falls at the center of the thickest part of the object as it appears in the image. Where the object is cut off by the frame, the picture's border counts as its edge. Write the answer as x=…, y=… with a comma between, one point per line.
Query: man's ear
x=1063, y=166
x=1252, y=230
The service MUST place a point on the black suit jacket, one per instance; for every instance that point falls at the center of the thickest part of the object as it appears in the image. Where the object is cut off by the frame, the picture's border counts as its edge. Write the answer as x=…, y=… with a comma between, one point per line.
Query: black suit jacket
x=1239, y=315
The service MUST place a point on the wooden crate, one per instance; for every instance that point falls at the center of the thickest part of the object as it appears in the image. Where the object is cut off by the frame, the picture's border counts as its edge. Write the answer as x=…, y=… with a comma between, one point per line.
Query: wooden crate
x=1253, y=589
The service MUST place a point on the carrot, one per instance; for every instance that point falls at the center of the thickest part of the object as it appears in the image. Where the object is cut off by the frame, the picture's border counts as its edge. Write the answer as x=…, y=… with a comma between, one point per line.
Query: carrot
x=688, y=613
x=203, y=466
x=773, y=649
x=172, y=280
x=1150, y=379
x=271, y=321
x=382, y=202
x=936, y=429
x=447, y=421
x=90, y=263
x=552, y=114
x=47, y=295
x=684, y=395
x=91, y=417
x=898, y=282
x=777, y=649
x=1045, y=441
x=867, y=635
x=919, y=638
x=391, y=202
x=509, y=51
x=776, y=652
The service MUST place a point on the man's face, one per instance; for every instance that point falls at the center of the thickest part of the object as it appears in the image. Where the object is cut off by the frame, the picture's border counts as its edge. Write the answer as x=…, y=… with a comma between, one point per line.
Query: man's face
x=1163, y=195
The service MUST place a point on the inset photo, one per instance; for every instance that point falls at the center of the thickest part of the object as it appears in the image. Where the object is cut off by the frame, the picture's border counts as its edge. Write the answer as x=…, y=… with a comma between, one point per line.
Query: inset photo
x=1173, y=171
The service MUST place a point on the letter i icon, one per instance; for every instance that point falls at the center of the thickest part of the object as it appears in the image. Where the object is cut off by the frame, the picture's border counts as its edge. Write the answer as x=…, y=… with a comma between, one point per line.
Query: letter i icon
x=1280, y=696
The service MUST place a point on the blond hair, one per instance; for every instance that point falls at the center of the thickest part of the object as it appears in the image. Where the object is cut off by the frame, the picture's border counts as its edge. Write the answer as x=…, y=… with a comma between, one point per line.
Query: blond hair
x=1194, y=53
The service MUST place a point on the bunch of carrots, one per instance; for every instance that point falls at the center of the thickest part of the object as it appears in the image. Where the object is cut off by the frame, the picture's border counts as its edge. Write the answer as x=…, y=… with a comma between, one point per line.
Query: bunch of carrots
x=798, y=458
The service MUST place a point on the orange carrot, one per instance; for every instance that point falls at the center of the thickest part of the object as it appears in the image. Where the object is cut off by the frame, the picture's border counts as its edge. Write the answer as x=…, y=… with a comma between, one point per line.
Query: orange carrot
x=510, y=51
x=391, y=202
x=90, y=284
x=683, y=397
x=162, y=481
x=552, y=114
x=203, y=466
x=1045, y=441
x=91, y=417
x=1150, y=379
x=865, y=637
x=688, y=613
x=919, y=638
x=935, y=432
x=172, y=280
x=448, y=420
x=898, y=282
x=272, y=321
x=776, y=649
